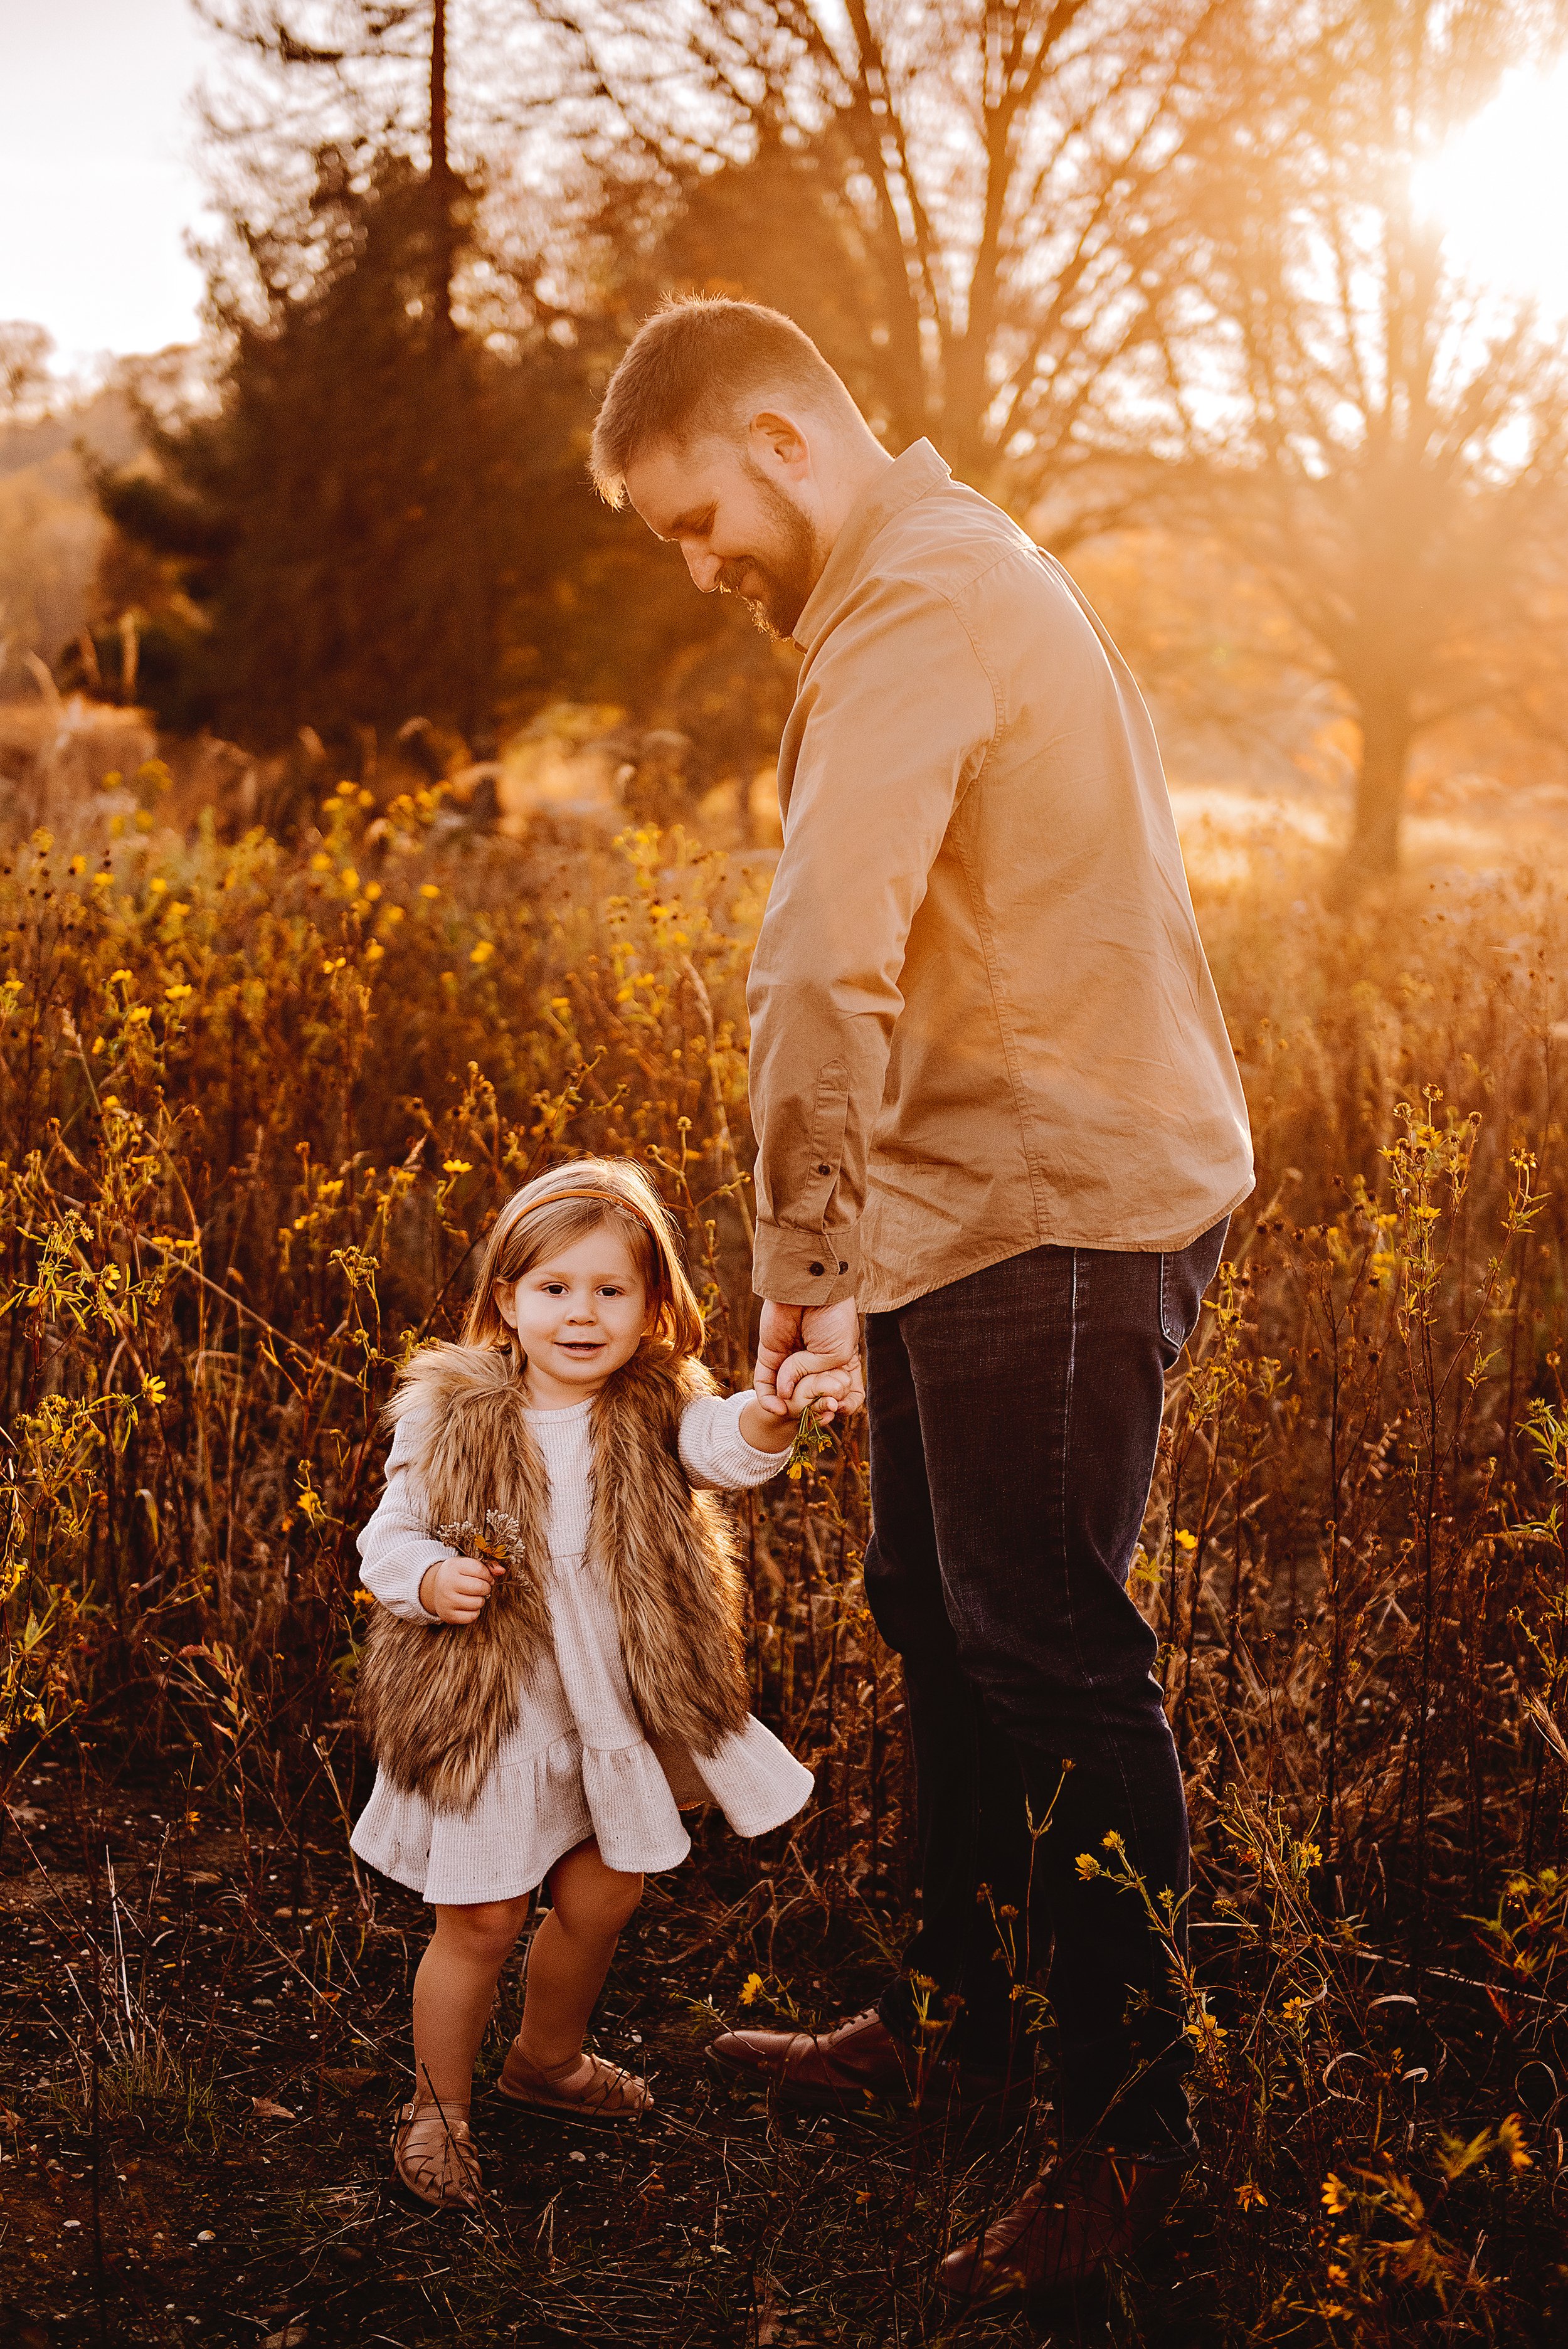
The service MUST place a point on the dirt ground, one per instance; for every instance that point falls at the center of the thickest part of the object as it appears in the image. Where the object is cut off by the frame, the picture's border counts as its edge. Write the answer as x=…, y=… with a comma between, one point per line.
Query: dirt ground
x=221, y=2176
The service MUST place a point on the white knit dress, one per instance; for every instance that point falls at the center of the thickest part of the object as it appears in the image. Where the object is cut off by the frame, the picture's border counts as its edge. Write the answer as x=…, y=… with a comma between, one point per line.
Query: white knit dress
x=577, y=1763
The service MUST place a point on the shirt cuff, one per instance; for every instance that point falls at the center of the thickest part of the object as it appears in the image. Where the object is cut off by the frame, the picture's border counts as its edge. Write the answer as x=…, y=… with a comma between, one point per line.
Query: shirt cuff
x=395, y=1582
x=742, y=1465
x=714, y=1453
x=789, y=1267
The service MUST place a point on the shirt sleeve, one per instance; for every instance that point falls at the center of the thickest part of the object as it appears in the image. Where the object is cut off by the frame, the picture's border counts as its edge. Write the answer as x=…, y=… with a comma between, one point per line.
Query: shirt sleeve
x=396, y=1547
x=900, y=714
x=714, y=1453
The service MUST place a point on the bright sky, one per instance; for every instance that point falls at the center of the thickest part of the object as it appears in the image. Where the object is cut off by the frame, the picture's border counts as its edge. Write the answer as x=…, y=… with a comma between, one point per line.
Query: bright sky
x=98, y=178
x=1499, y=189
x=99, y=186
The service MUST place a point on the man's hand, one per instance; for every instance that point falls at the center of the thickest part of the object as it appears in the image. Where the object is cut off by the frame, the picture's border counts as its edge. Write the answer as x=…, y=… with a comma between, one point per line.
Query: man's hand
x=456, y=1588
x=793, y=1344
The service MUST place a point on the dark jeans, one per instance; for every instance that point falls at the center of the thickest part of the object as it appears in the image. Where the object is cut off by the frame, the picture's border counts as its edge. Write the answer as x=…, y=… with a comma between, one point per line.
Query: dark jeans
x=1015, y=1417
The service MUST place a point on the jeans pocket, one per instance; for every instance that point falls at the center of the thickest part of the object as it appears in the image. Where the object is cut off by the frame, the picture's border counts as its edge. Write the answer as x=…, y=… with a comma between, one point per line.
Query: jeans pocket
x=1184, y=1275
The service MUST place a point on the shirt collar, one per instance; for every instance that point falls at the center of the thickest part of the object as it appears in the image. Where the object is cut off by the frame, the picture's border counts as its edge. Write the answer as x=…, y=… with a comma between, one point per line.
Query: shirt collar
x=913, y=475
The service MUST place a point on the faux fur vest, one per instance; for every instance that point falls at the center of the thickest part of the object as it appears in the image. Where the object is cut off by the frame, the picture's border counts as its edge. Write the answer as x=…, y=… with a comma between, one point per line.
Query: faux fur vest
x=437, y=1700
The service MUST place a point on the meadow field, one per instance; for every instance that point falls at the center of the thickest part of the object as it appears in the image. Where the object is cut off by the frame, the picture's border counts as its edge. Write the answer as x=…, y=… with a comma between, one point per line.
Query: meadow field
x=257, y=1103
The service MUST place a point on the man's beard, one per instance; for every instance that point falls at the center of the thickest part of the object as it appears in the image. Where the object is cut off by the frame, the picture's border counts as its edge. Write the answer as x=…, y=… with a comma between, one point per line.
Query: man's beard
x=789, y=569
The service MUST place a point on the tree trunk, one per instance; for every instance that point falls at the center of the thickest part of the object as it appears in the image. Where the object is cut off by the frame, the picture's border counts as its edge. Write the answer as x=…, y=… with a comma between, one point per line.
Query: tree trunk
x=439, y=165
x=1373, y=850
x=443, y=224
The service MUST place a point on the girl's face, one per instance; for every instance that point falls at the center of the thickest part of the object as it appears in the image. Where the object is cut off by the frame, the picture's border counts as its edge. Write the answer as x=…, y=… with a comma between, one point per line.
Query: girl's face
x=579, y=1314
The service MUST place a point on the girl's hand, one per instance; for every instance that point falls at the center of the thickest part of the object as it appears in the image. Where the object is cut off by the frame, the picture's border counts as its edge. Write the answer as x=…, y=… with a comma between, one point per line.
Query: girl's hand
x=833, y=1392
x=456, y=1588
x=837, y=1394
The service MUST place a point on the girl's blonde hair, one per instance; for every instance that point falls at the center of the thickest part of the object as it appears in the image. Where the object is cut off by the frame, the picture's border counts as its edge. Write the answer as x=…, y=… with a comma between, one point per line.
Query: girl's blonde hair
x=565, y=1204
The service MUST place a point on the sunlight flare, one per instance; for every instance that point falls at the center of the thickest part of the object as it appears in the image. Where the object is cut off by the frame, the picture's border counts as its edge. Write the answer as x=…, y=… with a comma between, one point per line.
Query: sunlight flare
x=1498, y=191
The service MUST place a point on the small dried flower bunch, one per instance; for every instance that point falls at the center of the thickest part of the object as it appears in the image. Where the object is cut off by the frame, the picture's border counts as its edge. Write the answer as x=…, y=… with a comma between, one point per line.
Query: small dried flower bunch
x=810, y=1439
x=499, y=1541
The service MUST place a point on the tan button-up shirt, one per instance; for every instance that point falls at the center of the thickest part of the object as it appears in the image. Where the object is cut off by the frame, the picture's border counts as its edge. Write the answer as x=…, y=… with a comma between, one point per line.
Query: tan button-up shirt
x=981, y=1016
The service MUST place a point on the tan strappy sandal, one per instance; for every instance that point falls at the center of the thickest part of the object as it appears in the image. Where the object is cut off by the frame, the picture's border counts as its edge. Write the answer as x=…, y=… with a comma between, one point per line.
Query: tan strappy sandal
x=433, y=2153
x=583, y=2088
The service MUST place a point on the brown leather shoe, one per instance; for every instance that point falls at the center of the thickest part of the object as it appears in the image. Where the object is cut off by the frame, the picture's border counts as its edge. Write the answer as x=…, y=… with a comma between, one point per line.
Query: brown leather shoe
x=1075, y=2216
x=839, y=2070
x=818, y=2071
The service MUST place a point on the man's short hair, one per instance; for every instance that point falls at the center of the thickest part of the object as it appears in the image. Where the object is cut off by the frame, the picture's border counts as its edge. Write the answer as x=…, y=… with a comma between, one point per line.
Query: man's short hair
x=689, y=369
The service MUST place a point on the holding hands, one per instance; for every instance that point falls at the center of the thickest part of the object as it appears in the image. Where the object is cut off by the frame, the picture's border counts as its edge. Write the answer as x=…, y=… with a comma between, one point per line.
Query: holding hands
x=770, y=1426
x=806, y=1353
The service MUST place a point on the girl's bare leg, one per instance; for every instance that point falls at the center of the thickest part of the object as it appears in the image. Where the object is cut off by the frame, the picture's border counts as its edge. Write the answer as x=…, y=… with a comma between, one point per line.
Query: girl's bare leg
x=571, y=1952
x=454, y=1991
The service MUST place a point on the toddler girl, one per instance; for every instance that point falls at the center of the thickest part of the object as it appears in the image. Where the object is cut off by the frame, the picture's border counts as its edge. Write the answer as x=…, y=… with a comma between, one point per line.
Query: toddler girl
x=556, y=1664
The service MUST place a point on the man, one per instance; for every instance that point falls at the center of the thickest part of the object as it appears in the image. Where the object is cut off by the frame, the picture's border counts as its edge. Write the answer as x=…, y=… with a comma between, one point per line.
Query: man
x=997, y=1111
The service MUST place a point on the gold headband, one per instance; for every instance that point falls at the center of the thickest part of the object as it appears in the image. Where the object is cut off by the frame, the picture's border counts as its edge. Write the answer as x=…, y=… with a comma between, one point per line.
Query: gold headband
x=608, y=1199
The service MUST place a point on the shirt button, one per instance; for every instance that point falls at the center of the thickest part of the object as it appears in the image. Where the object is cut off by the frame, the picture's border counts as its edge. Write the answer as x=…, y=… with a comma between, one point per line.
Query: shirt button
x=842, y=1265
x=824, y=1170
x=815, y=1269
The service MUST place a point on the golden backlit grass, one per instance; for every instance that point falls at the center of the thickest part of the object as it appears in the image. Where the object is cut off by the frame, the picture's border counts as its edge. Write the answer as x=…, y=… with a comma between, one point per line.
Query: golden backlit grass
x=255, y=1109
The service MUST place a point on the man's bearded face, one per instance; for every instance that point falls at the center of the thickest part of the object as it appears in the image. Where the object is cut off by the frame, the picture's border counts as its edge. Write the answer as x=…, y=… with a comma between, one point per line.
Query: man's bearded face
x=741, y=531
x=776, y=575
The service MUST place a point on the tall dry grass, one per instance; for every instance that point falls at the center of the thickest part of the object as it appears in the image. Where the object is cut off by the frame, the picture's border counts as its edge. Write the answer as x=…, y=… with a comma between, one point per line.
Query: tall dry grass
x=255, y=1110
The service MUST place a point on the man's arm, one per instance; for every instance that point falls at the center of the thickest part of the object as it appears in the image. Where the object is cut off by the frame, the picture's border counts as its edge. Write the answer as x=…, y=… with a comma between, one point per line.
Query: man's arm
x=900, y=716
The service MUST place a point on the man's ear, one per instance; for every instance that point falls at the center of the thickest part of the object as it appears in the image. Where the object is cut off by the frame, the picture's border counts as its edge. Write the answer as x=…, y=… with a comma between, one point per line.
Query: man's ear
x=778, y=444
